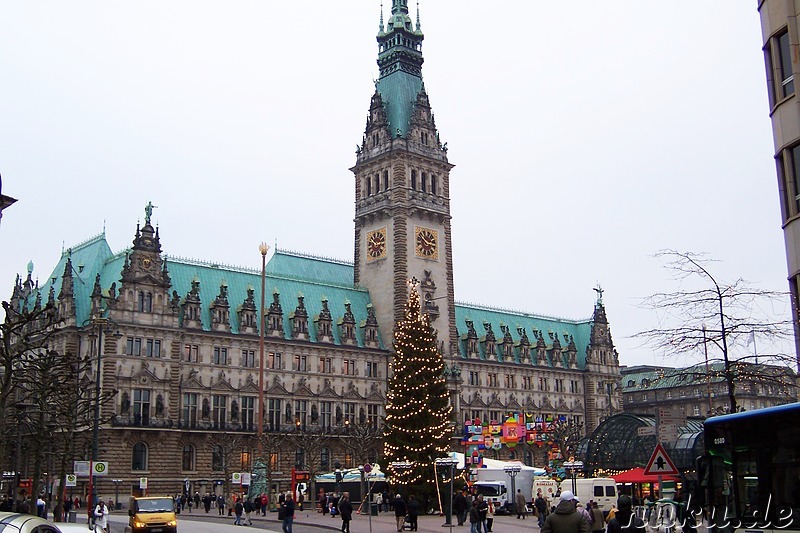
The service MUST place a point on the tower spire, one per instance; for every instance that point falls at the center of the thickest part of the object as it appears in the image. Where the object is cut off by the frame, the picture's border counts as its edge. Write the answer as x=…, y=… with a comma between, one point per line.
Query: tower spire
x=419, y=26
x=380, y=26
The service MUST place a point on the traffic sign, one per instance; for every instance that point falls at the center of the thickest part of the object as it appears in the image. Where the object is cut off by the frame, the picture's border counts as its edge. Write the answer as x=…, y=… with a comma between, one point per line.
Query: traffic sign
x=100, y=468
x=660, y=464
x=143, y=483
x=236, y=478
x=72, y=480
x=646, y=430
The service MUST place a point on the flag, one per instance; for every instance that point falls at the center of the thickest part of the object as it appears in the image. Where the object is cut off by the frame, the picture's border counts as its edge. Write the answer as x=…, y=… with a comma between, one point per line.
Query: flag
x=751, y=338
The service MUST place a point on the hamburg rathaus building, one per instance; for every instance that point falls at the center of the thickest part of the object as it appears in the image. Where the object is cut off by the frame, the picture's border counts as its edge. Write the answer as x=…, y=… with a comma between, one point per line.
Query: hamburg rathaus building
x=182, y=337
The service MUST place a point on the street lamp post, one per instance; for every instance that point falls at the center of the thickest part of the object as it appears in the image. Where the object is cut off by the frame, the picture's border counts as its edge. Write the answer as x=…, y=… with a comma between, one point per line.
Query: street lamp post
x=451, y=462
x=338, y=473
x=263, y=248
x=573, y=467
x=116, y=483
x=512, y=471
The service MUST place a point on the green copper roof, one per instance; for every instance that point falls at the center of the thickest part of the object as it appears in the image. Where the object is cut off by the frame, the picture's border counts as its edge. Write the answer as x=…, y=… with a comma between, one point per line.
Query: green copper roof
x=400, y=62
x=580, y=330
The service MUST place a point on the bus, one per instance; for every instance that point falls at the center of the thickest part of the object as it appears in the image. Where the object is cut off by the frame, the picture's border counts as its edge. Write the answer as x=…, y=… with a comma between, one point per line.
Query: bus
x=751, y=470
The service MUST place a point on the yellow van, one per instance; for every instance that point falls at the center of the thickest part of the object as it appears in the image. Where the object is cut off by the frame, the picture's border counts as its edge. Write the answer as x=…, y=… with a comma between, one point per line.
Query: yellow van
x=152, y=514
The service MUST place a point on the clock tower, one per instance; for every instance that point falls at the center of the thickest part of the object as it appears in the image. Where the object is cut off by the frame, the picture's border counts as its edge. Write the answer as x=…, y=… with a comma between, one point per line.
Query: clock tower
x=402, y=190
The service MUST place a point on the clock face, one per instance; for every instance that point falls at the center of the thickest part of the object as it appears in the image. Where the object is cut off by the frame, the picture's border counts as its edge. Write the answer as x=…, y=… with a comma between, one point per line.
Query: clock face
x=376, y=244
x=146, y=263
x=426, y=242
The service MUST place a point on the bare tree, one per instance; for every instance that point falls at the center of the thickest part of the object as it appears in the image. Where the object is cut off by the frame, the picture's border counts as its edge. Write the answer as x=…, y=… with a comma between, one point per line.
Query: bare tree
x=708, y=312
x=271, y=445
x=564, y=435
x=362, y=441
x=312, y=441
x=227, y=448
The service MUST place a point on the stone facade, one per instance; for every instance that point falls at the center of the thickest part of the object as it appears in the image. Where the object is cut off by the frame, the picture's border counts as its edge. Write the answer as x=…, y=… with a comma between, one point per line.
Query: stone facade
x=181, y=338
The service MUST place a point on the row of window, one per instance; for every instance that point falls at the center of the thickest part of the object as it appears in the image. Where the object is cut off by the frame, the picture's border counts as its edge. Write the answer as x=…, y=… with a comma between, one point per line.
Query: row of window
x=274, y=360
x=421, y=181
x=220, y=408
x=143, y=346
x=497, y=417
x=140, y=458
x=528, y=382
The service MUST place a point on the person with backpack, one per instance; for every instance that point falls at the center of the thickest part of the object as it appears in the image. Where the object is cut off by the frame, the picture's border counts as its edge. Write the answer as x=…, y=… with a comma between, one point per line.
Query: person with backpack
x=625, y=521
x=596, y=520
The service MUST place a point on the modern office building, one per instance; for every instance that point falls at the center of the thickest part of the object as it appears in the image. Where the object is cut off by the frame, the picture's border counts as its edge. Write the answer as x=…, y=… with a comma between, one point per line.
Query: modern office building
x=781, y=42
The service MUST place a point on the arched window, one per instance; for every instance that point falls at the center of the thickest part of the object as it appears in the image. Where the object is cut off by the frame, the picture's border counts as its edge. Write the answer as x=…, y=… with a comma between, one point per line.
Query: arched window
x=187, y=457
x=385, y=180
x=414, y=180
x=217, y=459
x=139, y=456
x=145, y=301
x=434, y=179
x=422, y=184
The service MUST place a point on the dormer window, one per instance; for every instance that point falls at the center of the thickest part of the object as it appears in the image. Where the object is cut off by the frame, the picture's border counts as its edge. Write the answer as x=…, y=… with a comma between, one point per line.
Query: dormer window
x=369, y=186
x=434, y=178
x=385, y=180
x=422, y=184
x=377, y=184
x=414, y=180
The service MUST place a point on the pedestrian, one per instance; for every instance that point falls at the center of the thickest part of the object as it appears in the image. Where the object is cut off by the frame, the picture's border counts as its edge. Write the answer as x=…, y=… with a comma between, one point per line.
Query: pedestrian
x=474, y=518
x=248, y=508
x=566, y=519
x=207, y=502
x=238, y=509
x=412, y=508
x=190, y=503
x=542, y=507
x=584, y=513
x=379, y=501
x=597, y=521
x=288, y=513
x=386, y=501
x=483, y=512
x=346, y=510
x=519, y=501
x=399, y=511
x=625, y=521
x=221, y=505
x=197, y=500
x=323, y=501
x=101, y=515
x=264, y=504
x=183, y=502
x=489, y=516
x=40, y=512
x=461, y=507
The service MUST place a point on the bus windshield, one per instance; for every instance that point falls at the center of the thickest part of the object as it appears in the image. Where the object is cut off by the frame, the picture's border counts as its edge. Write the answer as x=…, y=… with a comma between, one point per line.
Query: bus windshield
x=754, y=468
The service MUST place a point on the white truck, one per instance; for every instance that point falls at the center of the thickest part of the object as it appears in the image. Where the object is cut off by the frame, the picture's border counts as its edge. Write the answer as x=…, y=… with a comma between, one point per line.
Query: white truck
x=603, y=490
x=495, y=486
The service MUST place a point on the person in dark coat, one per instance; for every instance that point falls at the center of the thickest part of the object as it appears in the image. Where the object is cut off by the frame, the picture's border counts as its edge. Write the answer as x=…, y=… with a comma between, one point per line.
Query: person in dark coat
x=566, y=518
x=460, y=506
x=625, y=521
x=399, y=511
x=474, y=518
x=412, y=507
x=287, y=507
x=346, y=510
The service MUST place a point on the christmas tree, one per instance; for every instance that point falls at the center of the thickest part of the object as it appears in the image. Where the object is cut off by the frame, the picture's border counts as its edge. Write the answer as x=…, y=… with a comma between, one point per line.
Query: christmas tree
x=418, y=426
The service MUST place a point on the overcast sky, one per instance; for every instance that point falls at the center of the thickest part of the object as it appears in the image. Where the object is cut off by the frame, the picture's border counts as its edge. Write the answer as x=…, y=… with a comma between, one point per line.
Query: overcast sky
x=586, y=136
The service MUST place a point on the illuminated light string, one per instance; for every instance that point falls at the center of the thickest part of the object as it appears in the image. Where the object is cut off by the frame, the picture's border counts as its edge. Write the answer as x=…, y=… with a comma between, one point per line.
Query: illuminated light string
x=418, y=411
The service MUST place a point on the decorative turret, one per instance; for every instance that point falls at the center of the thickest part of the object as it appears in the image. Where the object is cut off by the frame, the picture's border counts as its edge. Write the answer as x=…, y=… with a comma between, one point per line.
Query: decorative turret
x=66, y=298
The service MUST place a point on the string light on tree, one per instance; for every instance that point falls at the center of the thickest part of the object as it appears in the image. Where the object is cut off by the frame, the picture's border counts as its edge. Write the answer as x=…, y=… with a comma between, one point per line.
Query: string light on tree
x=418, y=412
